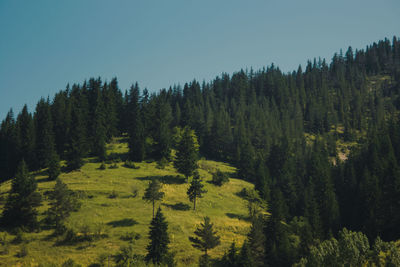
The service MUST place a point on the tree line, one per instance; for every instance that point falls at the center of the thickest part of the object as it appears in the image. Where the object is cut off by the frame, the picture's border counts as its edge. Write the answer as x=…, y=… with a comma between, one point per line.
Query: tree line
x=256, y=120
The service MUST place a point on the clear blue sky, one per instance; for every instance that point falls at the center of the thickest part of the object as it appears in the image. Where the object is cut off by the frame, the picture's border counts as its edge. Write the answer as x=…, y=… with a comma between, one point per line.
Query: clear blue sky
x=46, y=44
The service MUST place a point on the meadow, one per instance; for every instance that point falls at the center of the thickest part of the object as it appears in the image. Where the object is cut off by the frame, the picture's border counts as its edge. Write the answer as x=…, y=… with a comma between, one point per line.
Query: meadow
x=112, y=207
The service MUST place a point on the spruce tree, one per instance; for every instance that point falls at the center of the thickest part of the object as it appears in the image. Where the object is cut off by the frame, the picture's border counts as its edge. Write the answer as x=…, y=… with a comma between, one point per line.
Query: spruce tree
x=26, y=137
x=76, y=147
x=136, y=129
x=19, y=209
x=54, y=169
x=153, y=192
x=206, y=238
x=187, y=153
x=44, y=134
x=195, y=190
x=157, y=250
x=62, y=203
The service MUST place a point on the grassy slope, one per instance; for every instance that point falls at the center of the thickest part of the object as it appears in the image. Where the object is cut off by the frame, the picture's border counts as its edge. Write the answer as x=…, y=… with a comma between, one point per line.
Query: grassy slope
x=221, y=204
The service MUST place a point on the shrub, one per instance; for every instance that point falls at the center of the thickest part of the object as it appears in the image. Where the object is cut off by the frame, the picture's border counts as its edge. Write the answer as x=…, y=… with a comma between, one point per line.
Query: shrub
x=19, y=236
x=219, y=178
x=131, y=237
x=102, y=166
x=130, y=164
x=134, y=191
x=113, y=166
x=162, y=163
x=23, y=252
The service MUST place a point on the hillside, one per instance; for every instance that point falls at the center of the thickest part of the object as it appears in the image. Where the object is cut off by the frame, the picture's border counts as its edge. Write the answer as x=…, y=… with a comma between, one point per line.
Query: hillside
x=115, y=217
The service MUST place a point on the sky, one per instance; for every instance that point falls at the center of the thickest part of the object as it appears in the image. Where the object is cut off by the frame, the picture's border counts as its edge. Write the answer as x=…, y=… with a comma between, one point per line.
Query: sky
x=44, y=45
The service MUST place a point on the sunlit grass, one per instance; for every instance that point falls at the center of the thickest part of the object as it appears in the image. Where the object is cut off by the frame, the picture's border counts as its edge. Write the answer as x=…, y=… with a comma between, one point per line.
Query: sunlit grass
x=125, y=213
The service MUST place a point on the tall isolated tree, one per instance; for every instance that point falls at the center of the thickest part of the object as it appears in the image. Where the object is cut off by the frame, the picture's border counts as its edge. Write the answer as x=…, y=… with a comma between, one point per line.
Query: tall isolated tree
x=187, y=153
x=157, y=251
x=206, y=238
x=195, y=190
x=153, y=192
x=23, y=198
x=62, y=203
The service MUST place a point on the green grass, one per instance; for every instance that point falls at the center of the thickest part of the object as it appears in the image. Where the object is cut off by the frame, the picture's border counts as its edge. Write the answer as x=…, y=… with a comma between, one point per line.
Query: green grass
x=118, y=216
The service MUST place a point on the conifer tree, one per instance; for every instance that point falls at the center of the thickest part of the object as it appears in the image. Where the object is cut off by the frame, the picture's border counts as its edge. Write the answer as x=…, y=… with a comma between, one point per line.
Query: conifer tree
x=153, y=192
x=26, y=137
x=157, y=250
x=19, y=209
x=8, y=147
x=136, y=130
x=187, y=153
x=62, y=203
x=76, y=147
x=54, y=169
x=206, y=238
x=195, y=190
x=44, y=134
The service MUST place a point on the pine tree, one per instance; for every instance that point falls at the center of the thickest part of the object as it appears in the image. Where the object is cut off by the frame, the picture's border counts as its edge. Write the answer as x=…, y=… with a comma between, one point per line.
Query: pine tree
x=153, y=193
x=76, y=147
x=162, y=132
x=54, y=169
x=157, y=250
x=195, y=190
x=26, y=137
x=187, y=153
x=62, y=203
x=136, y=130
x=44, y=134
x=19, y=209
x=206, y=238
x=256, y=241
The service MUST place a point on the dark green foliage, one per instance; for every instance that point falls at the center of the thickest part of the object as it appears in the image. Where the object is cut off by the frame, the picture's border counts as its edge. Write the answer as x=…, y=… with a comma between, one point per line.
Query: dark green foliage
x=195, y=190
x=186, y=154
x=62, y=202
x=157, y=250
x=153, y=192
x=54, y=169
x=44, y=148
x=206, y=238
x=136, y=130
x=19, y=209
x=76, y=146
x=219, y=178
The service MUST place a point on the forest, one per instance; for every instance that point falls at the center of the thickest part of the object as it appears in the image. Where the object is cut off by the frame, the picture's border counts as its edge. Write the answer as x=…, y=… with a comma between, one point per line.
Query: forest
x=321, y=146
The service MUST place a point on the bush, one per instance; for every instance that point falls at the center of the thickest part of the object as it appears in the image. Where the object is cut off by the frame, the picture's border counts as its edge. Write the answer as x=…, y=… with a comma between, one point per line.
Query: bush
x=131, y=237
x=19, y=236
x=102, y=166
x=162, y=163
x=23, y=252
x=113, y=166
x=134, y=191
x=219, y=178
x=130, y=164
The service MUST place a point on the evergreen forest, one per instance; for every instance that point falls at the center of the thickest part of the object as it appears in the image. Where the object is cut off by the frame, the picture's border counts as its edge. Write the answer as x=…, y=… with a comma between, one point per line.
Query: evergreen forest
x=320, y=144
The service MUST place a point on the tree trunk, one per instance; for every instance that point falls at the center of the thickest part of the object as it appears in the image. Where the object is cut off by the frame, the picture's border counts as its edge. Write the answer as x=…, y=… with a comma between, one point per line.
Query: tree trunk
x=194, y=203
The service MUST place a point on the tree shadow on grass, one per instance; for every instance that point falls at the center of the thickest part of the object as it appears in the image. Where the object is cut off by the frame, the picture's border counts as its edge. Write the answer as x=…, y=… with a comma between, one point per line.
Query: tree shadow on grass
x=123, y=223
x=237, y=216
x=167, y=179
x=178, y=206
